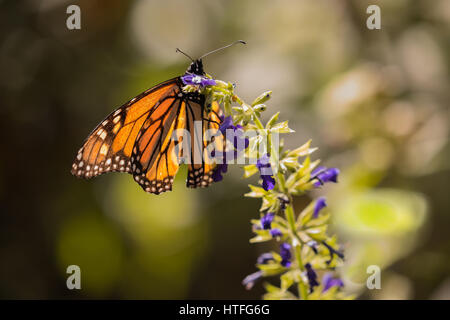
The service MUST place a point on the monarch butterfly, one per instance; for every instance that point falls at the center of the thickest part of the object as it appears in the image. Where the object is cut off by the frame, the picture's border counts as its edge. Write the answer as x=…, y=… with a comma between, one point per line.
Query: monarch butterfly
x=137, y=137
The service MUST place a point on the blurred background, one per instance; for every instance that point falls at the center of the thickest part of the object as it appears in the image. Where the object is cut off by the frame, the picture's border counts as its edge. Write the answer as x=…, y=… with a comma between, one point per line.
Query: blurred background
x=375, y=102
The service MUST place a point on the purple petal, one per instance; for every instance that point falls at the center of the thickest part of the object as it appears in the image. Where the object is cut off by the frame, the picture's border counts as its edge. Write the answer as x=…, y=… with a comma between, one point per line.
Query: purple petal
x=328, y=282
x=217, y=174
x=250, y=280
x=263, y=162
x=312, y=277
x=227, y=123
x=240, y=142
x=187, y=79
x=317, y=170
x=328, y=175
x=224, y=168
x=264, y=258
x=286, y=263
x=285, y=251
x=196, y=80
x=275, y=232
x=320, y=204
x=266, y=220
x=268, y=182
x=208, y=82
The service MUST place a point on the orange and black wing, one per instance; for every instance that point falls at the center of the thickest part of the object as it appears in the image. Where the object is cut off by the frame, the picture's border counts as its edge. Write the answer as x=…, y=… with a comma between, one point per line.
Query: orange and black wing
x=159, y=146
x=109, y=146
x=143, y=138
x=155, y=156
x=200, y=172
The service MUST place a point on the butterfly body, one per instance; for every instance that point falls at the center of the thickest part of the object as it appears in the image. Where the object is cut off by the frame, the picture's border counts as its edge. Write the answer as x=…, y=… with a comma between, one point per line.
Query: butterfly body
x=141, y=137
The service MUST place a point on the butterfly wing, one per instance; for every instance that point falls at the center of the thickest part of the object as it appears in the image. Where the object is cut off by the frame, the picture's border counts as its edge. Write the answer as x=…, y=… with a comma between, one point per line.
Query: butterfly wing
x=159, y=146
x=155, y=158
x=200, y=172
x=138, y=138
x=109, y=146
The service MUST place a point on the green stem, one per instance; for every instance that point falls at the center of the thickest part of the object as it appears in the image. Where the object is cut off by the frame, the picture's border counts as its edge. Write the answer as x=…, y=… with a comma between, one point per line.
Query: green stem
x=302, y=290
x=289, y=213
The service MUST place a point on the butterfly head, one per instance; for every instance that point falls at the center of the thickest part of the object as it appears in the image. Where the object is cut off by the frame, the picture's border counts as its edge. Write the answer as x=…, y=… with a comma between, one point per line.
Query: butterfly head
x=196, y=67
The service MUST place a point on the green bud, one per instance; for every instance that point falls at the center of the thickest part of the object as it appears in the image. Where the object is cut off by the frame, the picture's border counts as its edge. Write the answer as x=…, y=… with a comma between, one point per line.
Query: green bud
x=262, y=98
x=260, y=107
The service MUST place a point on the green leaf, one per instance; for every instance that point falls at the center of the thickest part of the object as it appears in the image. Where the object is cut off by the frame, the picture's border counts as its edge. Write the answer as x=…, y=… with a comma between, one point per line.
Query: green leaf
x=287, y=280
x=317, y=233
x=261, y=238
x=281, y=127
x=280, y=295
x=269, y=201
x=305, y=216
x=320, y=220
x=270, y=269
x=250, y=170
x=257, y=192
x=302, y=151
x=270, y=288
x=290, y=162
x=272, y=120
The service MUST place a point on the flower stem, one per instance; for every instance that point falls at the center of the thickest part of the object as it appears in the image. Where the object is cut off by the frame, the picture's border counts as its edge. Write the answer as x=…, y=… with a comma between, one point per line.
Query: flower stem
x=289, y=213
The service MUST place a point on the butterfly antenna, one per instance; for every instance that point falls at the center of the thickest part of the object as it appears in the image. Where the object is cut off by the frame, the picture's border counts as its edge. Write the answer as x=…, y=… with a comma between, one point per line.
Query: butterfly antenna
x=178, y=50
x=231, y=44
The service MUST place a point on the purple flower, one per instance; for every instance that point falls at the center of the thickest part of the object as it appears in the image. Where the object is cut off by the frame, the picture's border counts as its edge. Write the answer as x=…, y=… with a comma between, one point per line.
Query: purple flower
x=275, y=233
x=227, y=123
x=266, y=220
x=266, y=224
x=328, y=282
x=250, y=280
x=196, y=80
x=312, y=277
x=264, y=258
x=323, y=175
x=265, y=171
x=263, y=165
x=268, y=182
x=234, y=133
x=320, y=204
x=285, y=253
x=217, y=174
